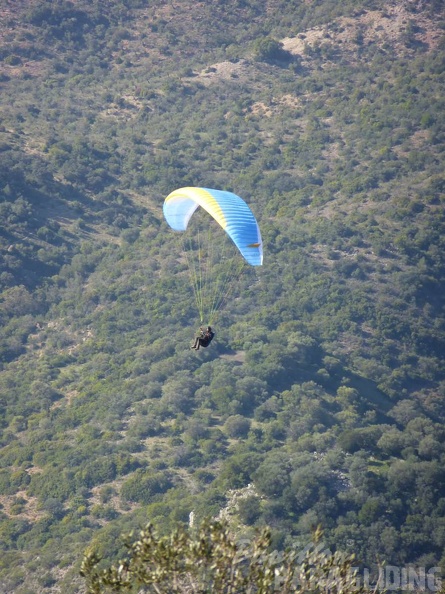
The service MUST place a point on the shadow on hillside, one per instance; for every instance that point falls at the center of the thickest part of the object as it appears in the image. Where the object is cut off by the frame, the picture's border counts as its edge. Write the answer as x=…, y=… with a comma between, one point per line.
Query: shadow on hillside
x=369, y=396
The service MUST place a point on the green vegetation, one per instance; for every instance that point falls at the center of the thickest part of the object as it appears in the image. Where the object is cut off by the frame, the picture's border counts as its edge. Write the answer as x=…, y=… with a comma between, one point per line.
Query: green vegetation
x=211, y=560
x=324, y=387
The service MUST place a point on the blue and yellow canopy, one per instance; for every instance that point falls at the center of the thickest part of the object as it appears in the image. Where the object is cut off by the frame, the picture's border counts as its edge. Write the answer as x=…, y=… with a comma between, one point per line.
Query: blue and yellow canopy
x=229, y=210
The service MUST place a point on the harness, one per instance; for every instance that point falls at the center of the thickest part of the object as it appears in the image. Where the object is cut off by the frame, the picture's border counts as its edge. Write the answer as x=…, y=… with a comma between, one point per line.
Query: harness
x=207, y=339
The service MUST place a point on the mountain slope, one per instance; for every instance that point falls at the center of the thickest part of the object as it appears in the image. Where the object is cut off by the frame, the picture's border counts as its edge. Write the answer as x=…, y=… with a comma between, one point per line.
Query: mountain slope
x=324, y=386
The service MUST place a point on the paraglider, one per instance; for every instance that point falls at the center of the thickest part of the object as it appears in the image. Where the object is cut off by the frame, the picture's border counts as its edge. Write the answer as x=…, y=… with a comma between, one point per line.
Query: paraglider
x=203, y=339
x=212, y=270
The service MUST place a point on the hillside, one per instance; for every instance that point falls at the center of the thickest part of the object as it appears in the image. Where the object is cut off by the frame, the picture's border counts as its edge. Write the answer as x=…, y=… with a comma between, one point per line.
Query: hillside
x=324, y=387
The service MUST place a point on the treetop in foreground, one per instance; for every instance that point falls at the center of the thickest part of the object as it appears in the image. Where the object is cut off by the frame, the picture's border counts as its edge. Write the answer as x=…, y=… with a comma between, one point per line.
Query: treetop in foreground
x=212, y=559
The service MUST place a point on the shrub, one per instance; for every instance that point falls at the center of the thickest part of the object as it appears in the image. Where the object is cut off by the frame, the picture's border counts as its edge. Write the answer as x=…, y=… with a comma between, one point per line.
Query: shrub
x=142, y=486
x=237, y=426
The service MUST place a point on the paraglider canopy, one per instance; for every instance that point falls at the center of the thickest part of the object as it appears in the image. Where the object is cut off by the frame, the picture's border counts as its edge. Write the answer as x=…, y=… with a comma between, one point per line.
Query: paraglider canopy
x=228, y=209
x=213, y=270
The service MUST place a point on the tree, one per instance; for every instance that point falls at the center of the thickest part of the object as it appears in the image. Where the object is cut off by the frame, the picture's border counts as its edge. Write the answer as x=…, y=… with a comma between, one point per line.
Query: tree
x=272, y=476
x=267, y=48
x=178, y=391
x=237, y=426
x=211, y=559
x=249, y=509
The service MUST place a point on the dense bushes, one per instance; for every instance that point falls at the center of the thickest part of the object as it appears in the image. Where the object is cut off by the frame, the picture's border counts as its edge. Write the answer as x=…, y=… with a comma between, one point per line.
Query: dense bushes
x=324, y=386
